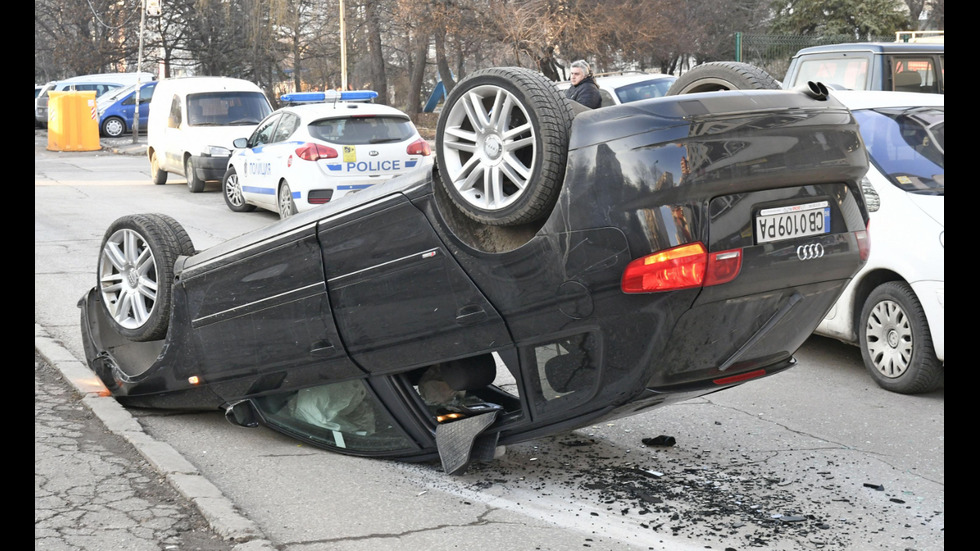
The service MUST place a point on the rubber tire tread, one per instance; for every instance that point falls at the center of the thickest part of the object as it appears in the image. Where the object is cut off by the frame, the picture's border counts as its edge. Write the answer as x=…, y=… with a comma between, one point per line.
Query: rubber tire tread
x=553, y=116
x=158, y=176
x=925, y=372
x=165, y=249
x=185, y=245
x=195, y=184
x=736, y=75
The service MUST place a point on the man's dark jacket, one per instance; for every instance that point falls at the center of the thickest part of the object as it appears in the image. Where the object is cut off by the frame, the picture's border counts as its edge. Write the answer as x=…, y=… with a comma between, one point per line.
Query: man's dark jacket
x=586, y=93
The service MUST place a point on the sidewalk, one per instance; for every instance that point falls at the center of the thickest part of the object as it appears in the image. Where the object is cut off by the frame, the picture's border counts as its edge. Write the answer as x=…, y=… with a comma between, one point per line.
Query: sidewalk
x=100, y=482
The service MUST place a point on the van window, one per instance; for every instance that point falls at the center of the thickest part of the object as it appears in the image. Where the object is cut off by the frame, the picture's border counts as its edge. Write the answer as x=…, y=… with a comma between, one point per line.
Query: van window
x=226, y=108
x=849, y=72
x=175, y=114
x=913, y=74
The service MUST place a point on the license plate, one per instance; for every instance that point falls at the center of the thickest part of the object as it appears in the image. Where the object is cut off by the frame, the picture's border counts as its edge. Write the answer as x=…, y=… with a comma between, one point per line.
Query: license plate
x=788, y=222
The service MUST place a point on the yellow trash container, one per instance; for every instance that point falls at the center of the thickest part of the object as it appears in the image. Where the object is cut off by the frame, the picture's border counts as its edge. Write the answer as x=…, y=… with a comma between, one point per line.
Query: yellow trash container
x=73, y=122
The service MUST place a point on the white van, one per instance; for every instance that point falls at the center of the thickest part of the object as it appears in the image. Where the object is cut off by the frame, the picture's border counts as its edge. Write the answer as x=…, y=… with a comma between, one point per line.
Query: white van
x=193, y=122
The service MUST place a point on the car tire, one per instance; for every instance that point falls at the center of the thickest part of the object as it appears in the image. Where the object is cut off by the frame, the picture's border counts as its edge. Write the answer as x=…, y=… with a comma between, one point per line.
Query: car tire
x=135, y=275
x=503, y=170
x=158, y=176
x=896, y=343
x=233, y=192
x=195, y=184
x=113, y=127
x=287, y=207
x=722, y=75
x=185, y=246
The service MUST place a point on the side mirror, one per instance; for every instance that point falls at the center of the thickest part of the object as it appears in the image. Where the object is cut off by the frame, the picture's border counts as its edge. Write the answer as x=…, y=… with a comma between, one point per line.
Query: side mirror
x=240, y=143
x=242, y=414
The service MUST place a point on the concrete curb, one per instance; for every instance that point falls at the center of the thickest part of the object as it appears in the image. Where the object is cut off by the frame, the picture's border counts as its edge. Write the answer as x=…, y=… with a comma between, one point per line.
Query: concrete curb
x=218, y=510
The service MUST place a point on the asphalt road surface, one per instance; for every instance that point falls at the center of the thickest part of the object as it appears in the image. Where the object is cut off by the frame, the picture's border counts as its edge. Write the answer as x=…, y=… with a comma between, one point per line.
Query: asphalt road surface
x=816, y=457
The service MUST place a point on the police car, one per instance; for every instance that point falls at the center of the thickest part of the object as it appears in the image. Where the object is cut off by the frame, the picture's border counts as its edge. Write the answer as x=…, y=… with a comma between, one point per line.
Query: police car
x=325, y=146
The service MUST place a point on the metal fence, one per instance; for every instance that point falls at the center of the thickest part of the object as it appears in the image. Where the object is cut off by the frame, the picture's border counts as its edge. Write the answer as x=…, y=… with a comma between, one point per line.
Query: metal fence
x=773, y=52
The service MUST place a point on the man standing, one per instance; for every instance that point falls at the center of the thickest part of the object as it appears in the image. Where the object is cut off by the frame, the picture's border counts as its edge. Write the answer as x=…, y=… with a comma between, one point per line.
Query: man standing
x=583, y=88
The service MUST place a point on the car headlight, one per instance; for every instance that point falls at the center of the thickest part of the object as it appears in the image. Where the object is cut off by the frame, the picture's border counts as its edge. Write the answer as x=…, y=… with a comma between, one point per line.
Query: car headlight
x=218, y=151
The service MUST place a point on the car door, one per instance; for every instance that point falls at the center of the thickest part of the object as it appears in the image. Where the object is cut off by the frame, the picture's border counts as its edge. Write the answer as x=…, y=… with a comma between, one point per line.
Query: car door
x=256, y=167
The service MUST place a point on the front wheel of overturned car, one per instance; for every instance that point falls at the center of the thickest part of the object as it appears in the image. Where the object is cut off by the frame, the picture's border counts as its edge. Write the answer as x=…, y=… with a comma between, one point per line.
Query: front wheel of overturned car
x=722, y=75
x=287, y=207
x=135, y=274
x=502, y=143
x=195, y=184
x=233, y=192
x=896, y=343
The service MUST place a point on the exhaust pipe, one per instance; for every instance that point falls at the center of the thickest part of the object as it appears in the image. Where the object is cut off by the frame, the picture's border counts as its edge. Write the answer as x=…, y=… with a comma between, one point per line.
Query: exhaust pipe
x=815, y=90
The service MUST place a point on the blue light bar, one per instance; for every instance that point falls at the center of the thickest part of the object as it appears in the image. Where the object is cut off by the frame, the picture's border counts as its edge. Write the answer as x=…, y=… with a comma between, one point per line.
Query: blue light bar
x=329, y=95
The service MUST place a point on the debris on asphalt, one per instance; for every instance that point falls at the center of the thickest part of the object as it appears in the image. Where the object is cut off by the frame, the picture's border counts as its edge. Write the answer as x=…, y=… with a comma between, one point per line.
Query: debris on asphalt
x=878, y=487
x=662, y=440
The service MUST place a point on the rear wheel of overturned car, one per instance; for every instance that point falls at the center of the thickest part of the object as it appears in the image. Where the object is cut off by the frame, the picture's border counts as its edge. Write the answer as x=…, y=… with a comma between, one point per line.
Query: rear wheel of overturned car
x=896, y=343
x=722, y=75
x=287, y=207
x=135, y=274
x=233, y=192
x=502, y=144
x=195, y=184
x=158, y=176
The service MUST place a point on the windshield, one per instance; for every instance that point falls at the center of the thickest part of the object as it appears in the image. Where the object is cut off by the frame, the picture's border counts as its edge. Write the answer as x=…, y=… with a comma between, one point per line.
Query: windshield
x=907, y=145
x=368, y=129
x=647, y=89
x=227, y=108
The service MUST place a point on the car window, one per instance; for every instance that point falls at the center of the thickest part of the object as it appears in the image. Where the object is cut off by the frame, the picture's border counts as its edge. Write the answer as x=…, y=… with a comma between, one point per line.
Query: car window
x=146, y=94
x=263, y=133
x=340, y=415
x=226, y=108
x=913, y=74
x=850, y=72
x=907, y=145
x=287, y=126
x=362, y=129
x=654, y=88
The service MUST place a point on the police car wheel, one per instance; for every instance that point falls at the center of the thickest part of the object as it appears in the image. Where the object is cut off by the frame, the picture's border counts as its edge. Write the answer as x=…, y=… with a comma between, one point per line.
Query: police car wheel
x=287, y=207
x=722, y=75
x=135, y=274
x=896, y=343
x=113, y=127
x=502, y=144
x=195, y=184
x=233, y=192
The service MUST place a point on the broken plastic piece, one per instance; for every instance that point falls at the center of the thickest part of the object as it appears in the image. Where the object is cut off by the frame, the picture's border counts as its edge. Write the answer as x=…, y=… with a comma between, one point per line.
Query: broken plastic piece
x=662, y=440
x=455, y=441
x=879, y=487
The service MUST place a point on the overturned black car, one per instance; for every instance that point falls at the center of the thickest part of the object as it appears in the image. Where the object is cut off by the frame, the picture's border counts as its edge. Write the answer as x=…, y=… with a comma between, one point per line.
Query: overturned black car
x=553, y=269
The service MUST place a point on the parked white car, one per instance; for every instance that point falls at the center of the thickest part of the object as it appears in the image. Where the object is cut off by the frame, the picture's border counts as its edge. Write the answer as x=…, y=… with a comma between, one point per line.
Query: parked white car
x=192, y=123
x=307, y=155
x=894, y=308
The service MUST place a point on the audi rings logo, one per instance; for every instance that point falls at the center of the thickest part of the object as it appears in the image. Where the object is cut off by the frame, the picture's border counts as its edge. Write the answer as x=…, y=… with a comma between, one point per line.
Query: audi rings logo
x=809, y=252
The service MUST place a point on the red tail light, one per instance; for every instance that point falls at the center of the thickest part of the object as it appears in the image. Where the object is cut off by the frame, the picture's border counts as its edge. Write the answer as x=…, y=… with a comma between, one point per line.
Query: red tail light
x=315, y=152
x=723, y=267
x=741, y=377
x=864, y=241
x=681, y=267
x=419, y=147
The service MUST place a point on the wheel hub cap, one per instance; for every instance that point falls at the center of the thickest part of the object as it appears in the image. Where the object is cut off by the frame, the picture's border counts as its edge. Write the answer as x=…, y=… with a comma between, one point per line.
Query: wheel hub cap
x=132, y=277
x=492, y=147
x=893, y=338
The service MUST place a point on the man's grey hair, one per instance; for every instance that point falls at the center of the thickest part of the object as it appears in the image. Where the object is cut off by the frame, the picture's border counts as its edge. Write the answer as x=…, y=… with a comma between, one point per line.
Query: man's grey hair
x=584, y=65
